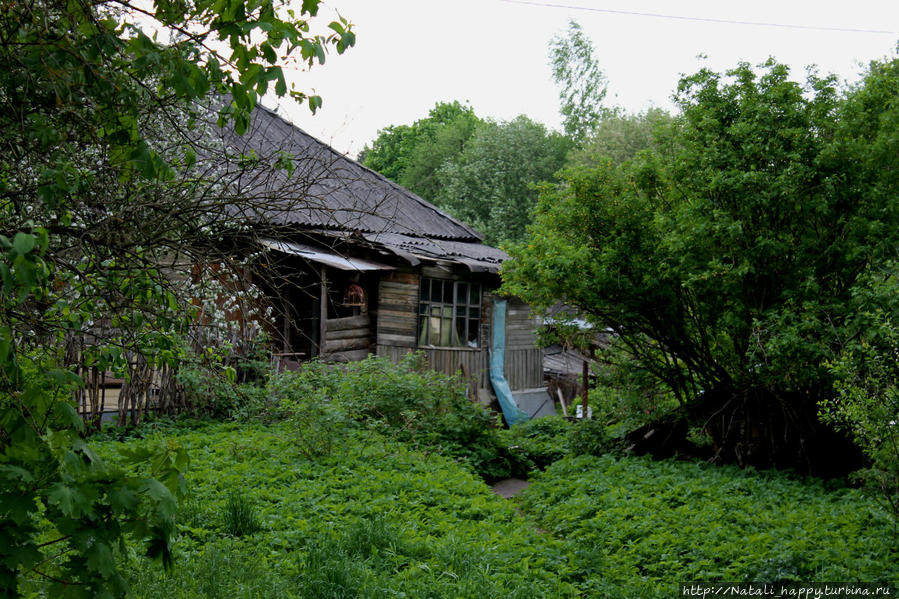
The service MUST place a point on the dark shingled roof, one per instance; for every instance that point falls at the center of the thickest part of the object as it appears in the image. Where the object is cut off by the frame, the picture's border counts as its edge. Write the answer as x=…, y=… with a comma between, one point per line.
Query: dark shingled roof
x=327, y=190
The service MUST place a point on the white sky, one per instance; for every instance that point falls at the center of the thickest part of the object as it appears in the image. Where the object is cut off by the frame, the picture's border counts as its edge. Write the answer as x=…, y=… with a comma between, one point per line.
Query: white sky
x=411, y=54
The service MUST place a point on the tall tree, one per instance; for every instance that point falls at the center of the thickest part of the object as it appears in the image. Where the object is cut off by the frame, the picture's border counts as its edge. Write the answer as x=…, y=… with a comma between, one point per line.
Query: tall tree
x=619, y=138
x=733, y=260
x=412, y=154
x=101, y=138
x=491, y=184
x=582, y=84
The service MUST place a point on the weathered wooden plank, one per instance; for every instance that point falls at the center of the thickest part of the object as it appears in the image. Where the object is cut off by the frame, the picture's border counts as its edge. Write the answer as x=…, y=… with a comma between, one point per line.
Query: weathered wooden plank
x=410, y=278
x=348, y=334
x=396, y=332
x=399, y=287
x=350, y=322
x=397, y=314
x=400, y=340
x=342, y=345
x=435, y=272
x=348, y=356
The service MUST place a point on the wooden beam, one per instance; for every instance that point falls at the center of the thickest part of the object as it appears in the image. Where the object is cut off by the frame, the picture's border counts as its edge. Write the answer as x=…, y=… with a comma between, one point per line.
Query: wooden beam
x=350, y=322
x=323, y=313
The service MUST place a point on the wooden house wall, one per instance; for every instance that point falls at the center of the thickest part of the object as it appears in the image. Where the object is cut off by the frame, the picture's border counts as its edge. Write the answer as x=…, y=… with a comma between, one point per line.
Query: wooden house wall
x=397, y=328
x=348, y=339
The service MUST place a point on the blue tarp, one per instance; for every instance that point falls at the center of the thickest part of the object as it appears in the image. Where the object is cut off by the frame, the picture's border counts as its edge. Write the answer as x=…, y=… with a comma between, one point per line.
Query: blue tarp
x=511, y=412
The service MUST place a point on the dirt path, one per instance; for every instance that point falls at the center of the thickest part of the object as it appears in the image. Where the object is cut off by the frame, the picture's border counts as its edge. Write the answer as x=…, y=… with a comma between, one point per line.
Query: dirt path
x=510, y=487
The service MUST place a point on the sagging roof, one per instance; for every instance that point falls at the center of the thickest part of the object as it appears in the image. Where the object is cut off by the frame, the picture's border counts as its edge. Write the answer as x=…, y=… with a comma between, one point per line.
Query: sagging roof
x=327, y=189
x=476, y=256
x=328, y=258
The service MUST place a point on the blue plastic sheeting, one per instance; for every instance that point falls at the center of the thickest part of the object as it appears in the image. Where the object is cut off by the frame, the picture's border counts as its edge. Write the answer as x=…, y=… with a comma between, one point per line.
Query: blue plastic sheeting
x=511, y=412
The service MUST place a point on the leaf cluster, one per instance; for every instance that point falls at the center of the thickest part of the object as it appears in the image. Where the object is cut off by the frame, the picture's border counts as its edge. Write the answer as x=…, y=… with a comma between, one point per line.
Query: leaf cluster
x=730, y=255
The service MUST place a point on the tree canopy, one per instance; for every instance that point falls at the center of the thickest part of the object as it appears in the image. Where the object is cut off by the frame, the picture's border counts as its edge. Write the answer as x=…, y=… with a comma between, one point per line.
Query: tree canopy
x=735, y=257
x=582, y=84
x=104, y=108
x=491, y=183
x=412, y=154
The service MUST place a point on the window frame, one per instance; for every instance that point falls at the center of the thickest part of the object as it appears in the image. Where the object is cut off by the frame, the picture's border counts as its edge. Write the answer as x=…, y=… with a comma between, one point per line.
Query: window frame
x=449, y=313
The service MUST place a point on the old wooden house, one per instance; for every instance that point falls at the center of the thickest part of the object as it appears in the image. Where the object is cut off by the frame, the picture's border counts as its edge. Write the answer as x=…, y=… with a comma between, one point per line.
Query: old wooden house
x=356, y=265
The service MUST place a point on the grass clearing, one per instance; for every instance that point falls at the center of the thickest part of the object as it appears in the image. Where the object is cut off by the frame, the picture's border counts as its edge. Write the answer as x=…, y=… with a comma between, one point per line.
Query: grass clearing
x=376, y=517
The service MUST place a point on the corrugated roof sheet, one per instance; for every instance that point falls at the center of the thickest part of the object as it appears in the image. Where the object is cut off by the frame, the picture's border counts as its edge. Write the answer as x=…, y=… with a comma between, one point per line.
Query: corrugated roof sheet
x=323, y=257
x=476, y=256
x=326, y=189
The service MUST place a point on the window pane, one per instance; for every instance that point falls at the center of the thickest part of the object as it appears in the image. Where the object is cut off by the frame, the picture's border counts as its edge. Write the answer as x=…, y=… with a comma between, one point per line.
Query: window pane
x=434, y=332
x=474, y=312
x=472, y=338
x=460, y=331
x=448, y=292
x=475, y=294
x=446, y=330
x=423, y=332
x=425, y=290
x=461, y=293
x=422, y=308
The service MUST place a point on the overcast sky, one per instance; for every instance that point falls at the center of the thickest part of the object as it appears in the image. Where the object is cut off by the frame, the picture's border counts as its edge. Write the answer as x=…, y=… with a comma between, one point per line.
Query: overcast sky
x=411, y=54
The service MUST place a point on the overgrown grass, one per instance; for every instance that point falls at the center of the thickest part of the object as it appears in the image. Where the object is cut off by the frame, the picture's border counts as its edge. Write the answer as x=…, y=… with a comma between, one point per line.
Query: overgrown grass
x=635, y=527
x=373, y=518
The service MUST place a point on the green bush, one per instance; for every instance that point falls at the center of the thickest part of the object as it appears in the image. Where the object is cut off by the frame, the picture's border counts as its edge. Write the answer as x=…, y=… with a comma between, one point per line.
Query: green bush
x=404, y=400
x=588, y=437
x=541, y=441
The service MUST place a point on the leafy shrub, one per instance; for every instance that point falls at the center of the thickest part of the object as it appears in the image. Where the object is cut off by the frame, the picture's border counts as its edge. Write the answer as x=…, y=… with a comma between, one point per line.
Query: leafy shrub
x=867, y=405
x=239, y=517
x=541, y=441
x=304, y=400
x=588, y=437
x=404, y=400
x=214, y=394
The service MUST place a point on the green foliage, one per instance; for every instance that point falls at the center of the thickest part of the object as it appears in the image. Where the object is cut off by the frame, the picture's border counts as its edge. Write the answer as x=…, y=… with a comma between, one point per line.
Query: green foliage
x=97, y=136
x=633, y=525
x=304, y=399
x=372, y=519
x=64, y=510
x=378, y=519
x=491, y=183
x=589, y=437
x=729, y=257
x=582, y=84
x=412, y=154
x=406, y=401
x=619, y=138
x=542, y=441
x=239, y=517
x=482, y=172
x=867, y=403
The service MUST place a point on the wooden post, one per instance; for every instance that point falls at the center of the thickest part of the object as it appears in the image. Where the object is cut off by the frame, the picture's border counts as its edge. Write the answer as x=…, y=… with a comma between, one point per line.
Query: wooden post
x=586, y=381
x=323, y=313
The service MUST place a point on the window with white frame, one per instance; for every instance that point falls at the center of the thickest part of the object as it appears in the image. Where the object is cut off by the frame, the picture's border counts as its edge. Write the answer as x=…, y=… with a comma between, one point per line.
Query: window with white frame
x=449, y=313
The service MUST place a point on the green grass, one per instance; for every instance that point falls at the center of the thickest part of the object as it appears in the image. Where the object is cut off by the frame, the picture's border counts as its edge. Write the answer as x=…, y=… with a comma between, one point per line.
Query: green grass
x=638, y=526
x=376, y=518
x=373, y=518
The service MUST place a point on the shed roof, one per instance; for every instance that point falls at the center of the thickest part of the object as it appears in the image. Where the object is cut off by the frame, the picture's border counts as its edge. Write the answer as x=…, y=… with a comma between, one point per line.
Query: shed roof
x=326, y=189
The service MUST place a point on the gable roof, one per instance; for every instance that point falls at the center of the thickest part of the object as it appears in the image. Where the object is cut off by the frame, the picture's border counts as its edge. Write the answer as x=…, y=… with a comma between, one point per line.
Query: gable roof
x=327, y=190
